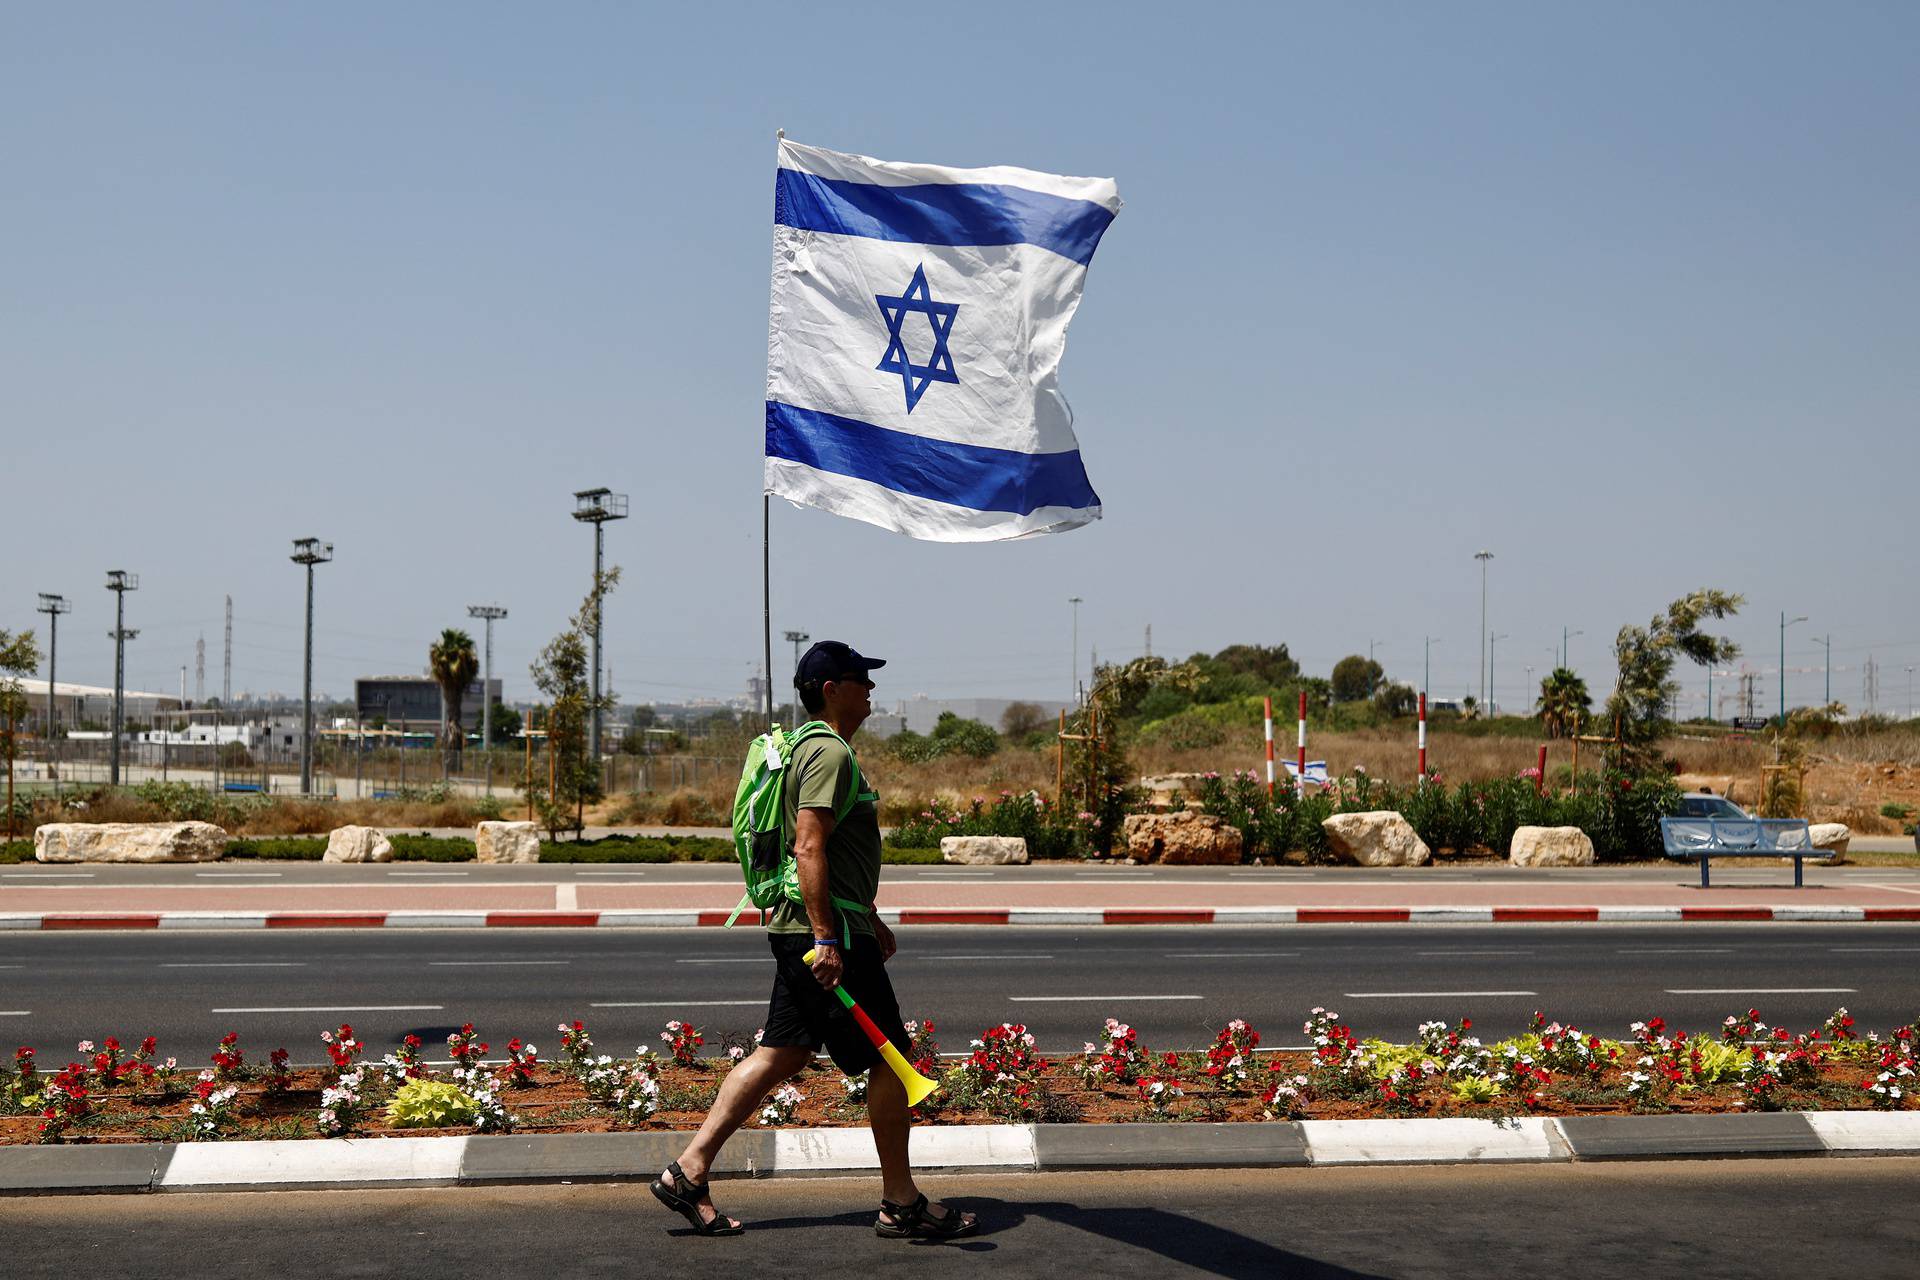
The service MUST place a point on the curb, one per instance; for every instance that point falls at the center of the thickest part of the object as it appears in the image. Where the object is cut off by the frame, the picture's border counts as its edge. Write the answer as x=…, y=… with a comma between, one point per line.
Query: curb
x=697, y=918
x=626, y=1157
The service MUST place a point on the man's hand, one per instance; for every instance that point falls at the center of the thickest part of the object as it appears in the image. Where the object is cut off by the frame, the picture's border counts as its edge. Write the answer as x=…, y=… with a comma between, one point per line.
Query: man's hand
x=885, y=937
x=827, y=966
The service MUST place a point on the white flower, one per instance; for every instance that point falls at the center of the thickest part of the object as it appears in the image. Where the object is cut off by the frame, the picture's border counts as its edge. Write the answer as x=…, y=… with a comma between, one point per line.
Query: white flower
x=86, y=1046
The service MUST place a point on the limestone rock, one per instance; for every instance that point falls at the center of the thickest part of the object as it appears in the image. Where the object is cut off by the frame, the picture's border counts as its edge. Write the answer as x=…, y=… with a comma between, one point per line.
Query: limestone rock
x=1830, y=836
x=1163, y=787
x=129, y=842
x=507, y=842
x=1381, y=838
x=1551, y=847
x=358, y=844
x=984, y=851
x=1186, y=838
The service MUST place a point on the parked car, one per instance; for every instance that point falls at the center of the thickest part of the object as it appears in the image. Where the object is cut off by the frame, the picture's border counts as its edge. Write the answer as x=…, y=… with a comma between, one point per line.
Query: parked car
x=1705, y=804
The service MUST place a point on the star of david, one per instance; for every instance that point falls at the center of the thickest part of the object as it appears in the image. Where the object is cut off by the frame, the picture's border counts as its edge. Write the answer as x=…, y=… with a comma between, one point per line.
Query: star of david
x=916, y=378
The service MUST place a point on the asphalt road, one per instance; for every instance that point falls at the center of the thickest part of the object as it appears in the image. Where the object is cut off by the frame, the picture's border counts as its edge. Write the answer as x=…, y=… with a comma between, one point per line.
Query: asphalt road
x=1752, y=1219
x=1176, y=984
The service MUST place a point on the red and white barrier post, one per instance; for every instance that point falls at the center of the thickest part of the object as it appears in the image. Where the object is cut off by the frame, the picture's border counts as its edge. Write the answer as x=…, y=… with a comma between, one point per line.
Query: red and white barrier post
x=1269, y=744
x=1301, y=778
x=1423, y=739
x=1540, y=783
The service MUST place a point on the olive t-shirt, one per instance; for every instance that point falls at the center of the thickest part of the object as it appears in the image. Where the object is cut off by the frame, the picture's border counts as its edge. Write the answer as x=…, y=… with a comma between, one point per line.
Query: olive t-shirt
x=822, y=772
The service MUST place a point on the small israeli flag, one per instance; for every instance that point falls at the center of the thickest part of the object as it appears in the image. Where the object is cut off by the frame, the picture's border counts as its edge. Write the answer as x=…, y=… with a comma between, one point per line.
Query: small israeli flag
x=918, y=318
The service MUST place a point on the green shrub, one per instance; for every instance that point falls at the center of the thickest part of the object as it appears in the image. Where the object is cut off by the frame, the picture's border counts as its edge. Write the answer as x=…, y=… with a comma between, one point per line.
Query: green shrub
x=430, y=1104
x=16, y=851
x=1898, y=812
x=1048, y=832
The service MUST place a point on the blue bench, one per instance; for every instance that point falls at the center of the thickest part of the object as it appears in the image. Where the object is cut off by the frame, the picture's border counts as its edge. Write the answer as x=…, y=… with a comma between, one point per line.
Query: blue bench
x=249, y=787
x=1710, y=838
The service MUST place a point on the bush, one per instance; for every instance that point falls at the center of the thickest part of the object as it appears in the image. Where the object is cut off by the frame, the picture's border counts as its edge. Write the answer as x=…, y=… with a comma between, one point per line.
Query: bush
x=430, y=1104
x=1898, y=812
x=1048, y=832
x=16, y=851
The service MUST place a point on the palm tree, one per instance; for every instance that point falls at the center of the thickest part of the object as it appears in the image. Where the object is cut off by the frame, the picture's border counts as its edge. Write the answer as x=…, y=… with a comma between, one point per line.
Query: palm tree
x=1563, y=702
x=453, y=664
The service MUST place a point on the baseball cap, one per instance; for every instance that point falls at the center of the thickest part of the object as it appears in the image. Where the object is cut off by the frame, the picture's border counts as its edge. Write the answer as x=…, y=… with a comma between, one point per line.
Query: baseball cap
x=829, y=659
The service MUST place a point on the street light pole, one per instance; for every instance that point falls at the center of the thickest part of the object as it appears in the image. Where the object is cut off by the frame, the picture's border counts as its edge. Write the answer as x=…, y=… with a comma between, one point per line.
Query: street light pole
x=796, y=638
x=1372, y=684
x=1492, y=692
x=53, y=606
x=488, y=612
x=308, y=552
x=1073, y=692
x=119, y=581
x=1426, y=675
x=1785, y=622
x=1485, y=655
x=1565, y=637
x=596, y=507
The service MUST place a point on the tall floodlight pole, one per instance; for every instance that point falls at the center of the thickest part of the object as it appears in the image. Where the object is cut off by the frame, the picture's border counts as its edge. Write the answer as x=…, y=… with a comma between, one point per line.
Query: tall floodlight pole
x=596, y=507
x=1426, y=675
x=1785, y=622
x=53, y=606
x=1826, y=642
x=119, y=581
x=1483, y=557
x=489, y=612
x=1565, y=636
x=796, y=638
x=1073, y=693
x=308, y=552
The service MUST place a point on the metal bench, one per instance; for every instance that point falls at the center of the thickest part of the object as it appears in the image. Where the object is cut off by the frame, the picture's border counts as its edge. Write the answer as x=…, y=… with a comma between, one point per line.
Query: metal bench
x=1710, y=838
x=246, y=788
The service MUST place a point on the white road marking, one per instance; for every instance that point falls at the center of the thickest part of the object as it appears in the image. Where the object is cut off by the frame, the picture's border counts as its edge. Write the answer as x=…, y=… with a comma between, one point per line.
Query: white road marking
x=16, y=1013
x=1760, y=991
x=46, y=875
x=1229, y=955
x=671, y=1004
x=1426, y=995
x=1478, y=951
x=610, y=873
x=471, y=964
x=1089, y=999
x=951, y=955
x=334, y=1008
x=730, y=960
x=237, y=875
x=566, y=896
x=400, y=874
x=1676, y=951
x=1863, y=951
x=234, y=964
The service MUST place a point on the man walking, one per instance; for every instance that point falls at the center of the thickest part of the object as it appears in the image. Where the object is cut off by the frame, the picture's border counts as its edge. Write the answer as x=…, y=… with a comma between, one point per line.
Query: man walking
x=839, y=872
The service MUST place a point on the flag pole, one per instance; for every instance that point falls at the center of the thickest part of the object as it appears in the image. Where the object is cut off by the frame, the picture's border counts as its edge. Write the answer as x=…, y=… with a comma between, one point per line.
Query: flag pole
x=766, y=556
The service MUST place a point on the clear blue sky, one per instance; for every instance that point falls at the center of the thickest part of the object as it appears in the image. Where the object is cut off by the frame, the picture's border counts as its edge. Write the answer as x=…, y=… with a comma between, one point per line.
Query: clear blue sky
x=1624, y=293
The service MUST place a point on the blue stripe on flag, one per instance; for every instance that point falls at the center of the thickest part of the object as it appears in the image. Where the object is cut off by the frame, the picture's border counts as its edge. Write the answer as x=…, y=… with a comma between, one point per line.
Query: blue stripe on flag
x=962, y=475
x=940, y=213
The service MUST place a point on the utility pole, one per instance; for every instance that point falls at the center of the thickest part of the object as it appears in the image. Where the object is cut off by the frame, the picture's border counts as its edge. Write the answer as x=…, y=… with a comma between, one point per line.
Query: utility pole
x=1565, y=637
x=308, y=552
x=796, y=638
x=119, y=581
x=1373, y=685
x=1909, y=691
x=596, y=507
x=1073, y=695
x=200, y=669
x=488, y=612
x=1483, y=557
x=1426, y=676
x=53, y=606
x=226, y=673
x=1492, y=693
x=1826, y=642
x=1785, y=622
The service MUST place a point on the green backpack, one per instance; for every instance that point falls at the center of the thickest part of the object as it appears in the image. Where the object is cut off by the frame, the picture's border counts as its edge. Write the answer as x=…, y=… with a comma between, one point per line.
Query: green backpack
x=762, y=839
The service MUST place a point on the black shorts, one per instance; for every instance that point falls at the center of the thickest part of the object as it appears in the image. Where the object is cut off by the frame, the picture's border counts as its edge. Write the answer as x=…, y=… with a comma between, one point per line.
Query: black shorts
x=802, y=1013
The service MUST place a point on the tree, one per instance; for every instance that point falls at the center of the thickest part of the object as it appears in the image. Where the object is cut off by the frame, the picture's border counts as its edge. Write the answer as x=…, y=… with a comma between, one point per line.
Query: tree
x=1645, y=656
x=1354, y=678
x=561, y=673
x=1021, y=720
x=1564, y=702
x=1394, y=699
x=19, y=656
x=454, y=665
x=956, y=736
x=506, y=724
x=1271, y=666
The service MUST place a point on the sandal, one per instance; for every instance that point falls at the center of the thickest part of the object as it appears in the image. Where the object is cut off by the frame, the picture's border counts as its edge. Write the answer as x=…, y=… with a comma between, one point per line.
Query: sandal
x=912, y=1221
x=683, y=1195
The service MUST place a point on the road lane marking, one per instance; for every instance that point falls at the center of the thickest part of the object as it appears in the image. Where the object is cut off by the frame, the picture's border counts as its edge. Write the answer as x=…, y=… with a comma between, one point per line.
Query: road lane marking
x=234, y=964
x=1676, y=951
x=334, y=1008
x=1890, y=888
x=236, y=875
x=730, y=960
x=470, y=964
x=46, y=875
x=1091, y=999
x=950, y=955
x=16, y=1013
x=400, y=874
x=1228, y=955
x=1760, y=991
x=672, y=1004
x=1478, y=951
x=610, y=873
x=1426, y=995
x=1863, y=951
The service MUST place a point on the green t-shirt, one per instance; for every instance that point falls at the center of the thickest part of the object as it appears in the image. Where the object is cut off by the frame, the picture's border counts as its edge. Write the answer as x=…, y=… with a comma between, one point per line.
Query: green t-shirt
x=822, y=771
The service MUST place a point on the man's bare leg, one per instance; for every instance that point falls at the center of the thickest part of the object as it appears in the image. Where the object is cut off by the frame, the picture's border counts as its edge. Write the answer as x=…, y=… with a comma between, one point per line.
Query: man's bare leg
x=745, y=1088
x=888, y=1114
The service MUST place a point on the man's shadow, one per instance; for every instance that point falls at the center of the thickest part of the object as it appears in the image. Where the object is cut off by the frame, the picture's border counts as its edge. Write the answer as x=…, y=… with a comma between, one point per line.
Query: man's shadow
x=1176, y=1237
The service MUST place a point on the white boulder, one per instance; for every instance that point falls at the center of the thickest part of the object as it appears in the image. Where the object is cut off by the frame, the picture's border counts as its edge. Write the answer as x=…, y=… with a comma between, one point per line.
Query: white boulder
x=1550, y=847
x=1381, y=838
x=129, y=842
x=358, y=844
x=1184, y=838
x=984, y=851
x=507, y=842
x=1833, y=837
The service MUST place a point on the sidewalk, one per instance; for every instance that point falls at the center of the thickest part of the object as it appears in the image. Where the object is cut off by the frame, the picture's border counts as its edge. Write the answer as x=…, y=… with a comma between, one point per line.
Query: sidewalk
x=669, y=898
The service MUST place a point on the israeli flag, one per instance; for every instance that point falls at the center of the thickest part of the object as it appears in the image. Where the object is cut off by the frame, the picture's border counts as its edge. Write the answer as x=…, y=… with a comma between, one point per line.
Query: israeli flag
x=918, y=318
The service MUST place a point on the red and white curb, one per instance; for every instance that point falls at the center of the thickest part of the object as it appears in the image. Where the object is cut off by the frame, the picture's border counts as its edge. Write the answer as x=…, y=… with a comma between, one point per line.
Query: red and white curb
x=696, y=918
x=371, y=1163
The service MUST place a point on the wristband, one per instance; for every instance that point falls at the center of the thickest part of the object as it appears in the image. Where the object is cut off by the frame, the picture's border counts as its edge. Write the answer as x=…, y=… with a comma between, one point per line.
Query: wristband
x=826, y=942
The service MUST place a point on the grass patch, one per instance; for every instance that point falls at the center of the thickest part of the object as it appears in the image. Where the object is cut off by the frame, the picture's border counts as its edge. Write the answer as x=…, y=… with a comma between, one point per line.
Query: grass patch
x=16, y=851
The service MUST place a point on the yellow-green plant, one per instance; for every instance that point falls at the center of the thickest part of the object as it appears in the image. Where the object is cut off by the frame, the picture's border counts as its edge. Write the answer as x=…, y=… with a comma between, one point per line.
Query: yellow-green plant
x=1717, y=1062
x=430, y=1104
x=1474, y=1089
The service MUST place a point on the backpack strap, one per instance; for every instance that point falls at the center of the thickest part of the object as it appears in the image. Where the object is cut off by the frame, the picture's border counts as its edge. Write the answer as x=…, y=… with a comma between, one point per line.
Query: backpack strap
x=857, y=792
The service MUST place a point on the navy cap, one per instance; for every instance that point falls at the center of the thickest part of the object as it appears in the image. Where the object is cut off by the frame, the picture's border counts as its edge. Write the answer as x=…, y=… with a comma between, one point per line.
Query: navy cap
x=830, y=659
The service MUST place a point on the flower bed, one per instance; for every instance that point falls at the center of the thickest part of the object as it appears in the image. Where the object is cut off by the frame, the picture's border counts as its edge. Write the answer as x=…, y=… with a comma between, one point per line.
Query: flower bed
x=107, y=1093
